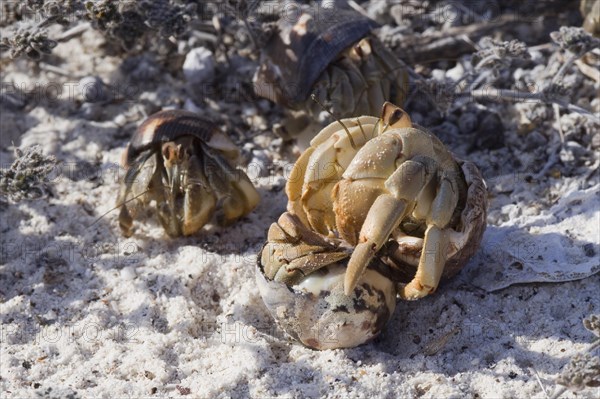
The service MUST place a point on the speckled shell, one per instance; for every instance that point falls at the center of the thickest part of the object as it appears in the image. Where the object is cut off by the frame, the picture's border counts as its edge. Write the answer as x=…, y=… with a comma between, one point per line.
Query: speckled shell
x=167, y=126
x=305, y=45
x=330, y=320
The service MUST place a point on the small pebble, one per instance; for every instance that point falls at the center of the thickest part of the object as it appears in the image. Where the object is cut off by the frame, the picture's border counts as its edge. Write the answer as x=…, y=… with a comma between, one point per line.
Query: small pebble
x=199, y=66
x=50, y=315
x=120, y=120
x=588, y=249
x=572, y=151
x=438, y=75
x=127, y=273
x=92, y=89
x=259, y=165
x=455, y=73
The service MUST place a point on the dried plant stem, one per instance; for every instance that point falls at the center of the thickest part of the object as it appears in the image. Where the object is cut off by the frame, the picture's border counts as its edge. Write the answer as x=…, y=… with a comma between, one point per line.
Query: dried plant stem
x=489, y=58
x=73, y=32
x=513, y=95
x=556, y=109
x=539, y=381
x=570, y=61
x=552, y=160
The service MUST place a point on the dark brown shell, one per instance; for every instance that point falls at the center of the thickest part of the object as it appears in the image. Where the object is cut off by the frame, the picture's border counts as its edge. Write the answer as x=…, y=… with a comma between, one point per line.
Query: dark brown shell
x=303, y=48
x=165, y=126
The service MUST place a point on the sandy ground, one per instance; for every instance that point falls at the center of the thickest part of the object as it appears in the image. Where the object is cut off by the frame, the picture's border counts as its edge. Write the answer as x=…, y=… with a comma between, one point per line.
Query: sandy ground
x=86, y=313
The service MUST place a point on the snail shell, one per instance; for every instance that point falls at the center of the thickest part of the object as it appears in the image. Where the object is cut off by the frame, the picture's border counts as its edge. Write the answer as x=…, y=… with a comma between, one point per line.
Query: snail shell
x=318, y=314
x=300, y=276
x=305, y=45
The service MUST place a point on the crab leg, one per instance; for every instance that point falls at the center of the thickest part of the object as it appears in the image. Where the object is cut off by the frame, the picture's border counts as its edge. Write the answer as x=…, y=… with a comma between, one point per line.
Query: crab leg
x=435, y=244
x=243, y=198
x=136, y=181
x=125, y=218
x=386, y=213
x=293, y=188
x=199, y=202
x=238, y=193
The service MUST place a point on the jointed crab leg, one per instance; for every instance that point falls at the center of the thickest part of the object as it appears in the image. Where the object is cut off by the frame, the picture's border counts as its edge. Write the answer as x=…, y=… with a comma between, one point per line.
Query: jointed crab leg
x=386, y=213
x=136, y=178
x=199, y=201
x=435, y=243
x=239, y=193
x=173, y=155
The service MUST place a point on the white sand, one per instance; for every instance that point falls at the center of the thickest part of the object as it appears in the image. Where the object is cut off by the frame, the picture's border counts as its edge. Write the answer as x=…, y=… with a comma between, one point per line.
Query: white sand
x=86, y=313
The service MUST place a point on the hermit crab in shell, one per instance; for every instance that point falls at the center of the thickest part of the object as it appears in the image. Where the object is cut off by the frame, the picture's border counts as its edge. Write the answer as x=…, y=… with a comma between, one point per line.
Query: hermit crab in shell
x=183, y=163
x=389, y=198
x=331, y=53
x=300, y=276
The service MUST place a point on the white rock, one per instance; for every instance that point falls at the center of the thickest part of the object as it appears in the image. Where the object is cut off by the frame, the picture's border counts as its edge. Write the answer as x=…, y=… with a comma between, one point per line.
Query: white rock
x=127, y=273
x=199, y=66
x=455, y=73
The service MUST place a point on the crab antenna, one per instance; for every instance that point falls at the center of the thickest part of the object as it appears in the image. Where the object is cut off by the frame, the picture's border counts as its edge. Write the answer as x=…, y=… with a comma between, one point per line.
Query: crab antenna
x=375, y=127
x=117, y=207
x=314, y=98
x=361, y=129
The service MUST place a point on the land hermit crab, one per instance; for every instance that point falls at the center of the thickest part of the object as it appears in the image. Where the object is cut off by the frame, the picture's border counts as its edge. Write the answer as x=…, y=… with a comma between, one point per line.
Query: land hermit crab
x=300, y=276
x=184, y=163
x=331, y=53
x=387, y=197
